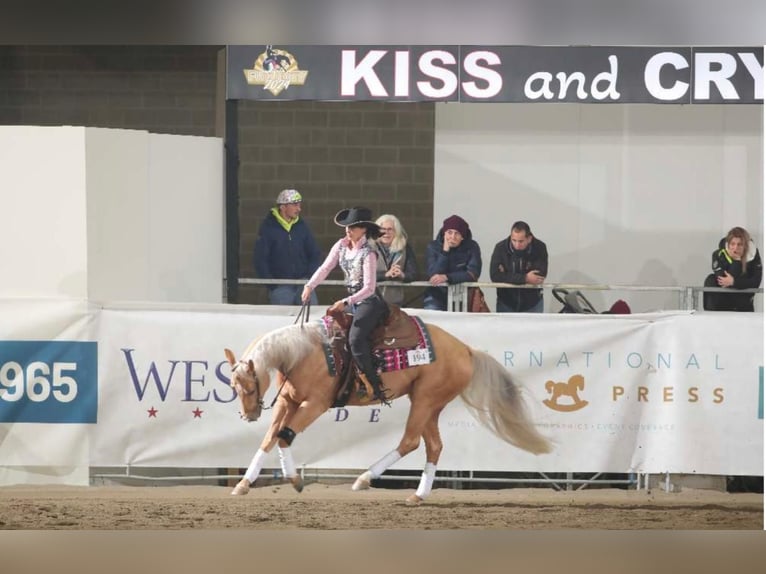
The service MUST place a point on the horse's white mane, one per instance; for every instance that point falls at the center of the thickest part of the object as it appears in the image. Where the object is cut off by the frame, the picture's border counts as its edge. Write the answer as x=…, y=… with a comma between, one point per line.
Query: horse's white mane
x=285, y=347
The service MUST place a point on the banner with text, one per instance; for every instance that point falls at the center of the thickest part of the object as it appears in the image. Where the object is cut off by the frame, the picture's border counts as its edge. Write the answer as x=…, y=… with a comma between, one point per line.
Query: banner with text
x=659, y=392
x=645, y=393
x=524, y=74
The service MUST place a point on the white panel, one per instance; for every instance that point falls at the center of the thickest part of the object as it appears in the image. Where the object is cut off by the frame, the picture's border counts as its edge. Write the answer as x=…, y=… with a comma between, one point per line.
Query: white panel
x=42, y=201
x=185, y=219
x=622, y=195
x=118, y=203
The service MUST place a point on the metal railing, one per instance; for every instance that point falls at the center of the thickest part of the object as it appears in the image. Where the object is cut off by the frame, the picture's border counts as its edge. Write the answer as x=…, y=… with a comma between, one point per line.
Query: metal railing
x=453, y=479
x=689, y=297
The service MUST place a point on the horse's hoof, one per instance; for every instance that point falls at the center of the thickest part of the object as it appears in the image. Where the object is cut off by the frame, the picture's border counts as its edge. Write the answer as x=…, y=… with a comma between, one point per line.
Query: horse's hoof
x=413, y=500
x=242, y=488
x=297, y=482
x=363, y=482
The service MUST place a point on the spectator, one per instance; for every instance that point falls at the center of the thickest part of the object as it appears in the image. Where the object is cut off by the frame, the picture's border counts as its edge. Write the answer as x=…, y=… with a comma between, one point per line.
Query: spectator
x=453, y=257
x=286, y=249
x=396, y=259
x=520, y=259
x=736, y=265
x=356, y=255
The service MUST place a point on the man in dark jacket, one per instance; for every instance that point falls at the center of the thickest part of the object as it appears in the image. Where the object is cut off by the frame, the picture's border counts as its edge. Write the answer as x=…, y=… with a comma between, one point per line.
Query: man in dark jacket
x=453, y=257
x=520, y=259
x=286, y=249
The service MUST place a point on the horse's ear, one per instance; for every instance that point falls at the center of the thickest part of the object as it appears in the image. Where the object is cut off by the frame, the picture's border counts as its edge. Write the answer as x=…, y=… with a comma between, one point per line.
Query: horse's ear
x=250, y=366
x=230, y=356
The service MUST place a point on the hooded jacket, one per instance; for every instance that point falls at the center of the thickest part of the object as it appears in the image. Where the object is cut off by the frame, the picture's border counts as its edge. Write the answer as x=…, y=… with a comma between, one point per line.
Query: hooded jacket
x=285, y=254
x=461, y=265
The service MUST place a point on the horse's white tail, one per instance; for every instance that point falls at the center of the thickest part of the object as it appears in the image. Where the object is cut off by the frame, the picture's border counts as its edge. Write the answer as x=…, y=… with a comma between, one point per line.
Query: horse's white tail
x=496, y=401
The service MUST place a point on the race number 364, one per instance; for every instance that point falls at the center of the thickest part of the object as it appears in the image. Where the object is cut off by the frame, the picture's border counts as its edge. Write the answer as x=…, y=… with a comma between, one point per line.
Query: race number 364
x=48, y=381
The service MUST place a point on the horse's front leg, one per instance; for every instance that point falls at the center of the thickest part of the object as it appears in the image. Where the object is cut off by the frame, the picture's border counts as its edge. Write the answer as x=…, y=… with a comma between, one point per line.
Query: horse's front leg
x=297, y=421
x=282, y=412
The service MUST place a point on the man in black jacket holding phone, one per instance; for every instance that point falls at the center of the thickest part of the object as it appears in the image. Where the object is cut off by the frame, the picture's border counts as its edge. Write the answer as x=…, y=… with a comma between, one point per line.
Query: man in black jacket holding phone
x=520, y=259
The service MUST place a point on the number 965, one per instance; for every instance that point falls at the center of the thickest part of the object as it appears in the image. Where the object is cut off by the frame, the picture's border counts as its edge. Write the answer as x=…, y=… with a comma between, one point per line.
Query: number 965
x=37, y=382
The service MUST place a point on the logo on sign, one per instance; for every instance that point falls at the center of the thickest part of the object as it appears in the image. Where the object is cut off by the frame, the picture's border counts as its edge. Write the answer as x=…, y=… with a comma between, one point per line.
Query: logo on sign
x=275, y=70
x=564, y=397
x=48, y=382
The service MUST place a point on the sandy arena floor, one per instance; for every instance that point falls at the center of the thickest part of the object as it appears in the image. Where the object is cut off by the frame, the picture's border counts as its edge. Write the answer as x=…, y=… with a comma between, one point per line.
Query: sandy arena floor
x=336, y=507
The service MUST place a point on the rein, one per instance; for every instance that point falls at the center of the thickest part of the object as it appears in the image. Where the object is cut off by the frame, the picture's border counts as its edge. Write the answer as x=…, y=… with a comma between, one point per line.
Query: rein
x=303, y=314
x=303, y=317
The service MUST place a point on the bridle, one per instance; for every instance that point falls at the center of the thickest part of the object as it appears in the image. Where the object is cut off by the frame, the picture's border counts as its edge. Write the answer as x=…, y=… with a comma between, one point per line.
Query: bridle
x=303, y=317
x=257, y=388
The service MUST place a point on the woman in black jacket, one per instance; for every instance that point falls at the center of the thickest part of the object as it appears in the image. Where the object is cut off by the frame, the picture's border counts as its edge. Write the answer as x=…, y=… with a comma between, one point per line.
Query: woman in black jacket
x=736, y=265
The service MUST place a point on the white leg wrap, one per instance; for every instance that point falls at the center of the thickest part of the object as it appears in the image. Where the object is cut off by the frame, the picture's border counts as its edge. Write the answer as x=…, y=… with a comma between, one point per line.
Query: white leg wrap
x=426, y=480
x=286, y=459
x=256, y=465
x=380, y=467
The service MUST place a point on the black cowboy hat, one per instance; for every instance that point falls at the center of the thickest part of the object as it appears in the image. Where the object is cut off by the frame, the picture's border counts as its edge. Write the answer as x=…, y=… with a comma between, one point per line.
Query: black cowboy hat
x=353, y=216
x=358, y=217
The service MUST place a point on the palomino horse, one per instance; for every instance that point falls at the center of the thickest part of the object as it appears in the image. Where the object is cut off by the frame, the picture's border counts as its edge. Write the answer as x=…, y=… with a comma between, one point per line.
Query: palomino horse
x=295, y=356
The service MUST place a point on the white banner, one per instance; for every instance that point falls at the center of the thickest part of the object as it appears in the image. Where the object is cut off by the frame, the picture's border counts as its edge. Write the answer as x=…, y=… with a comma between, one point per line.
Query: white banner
x=44, y=431
x=662, y=392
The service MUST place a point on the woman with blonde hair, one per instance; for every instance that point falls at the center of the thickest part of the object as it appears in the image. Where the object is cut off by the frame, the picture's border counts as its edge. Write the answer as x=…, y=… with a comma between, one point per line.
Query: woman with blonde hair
x=396, y=258
x=736, y=265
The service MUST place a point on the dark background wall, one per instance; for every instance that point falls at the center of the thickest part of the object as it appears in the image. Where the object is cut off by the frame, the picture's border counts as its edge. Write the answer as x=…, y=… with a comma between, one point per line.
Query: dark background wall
x=337, y=154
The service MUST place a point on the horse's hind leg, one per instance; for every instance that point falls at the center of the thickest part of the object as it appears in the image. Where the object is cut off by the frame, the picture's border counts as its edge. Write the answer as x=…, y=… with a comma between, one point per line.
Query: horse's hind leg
x=434, y=445
x=410, y=441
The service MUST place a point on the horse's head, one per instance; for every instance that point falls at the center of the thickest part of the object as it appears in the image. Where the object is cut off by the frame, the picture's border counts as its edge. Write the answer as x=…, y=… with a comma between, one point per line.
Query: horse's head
x=249, y=389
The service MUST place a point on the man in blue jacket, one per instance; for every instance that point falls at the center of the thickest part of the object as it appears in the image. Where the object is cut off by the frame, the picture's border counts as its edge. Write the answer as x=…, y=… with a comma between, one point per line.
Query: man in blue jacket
x=286, y=249
x=453, y=257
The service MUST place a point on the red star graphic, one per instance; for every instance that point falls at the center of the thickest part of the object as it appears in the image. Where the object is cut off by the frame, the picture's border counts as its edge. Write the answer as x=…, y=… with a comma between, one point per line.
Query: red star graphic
x=152, y=412
x=197, y=413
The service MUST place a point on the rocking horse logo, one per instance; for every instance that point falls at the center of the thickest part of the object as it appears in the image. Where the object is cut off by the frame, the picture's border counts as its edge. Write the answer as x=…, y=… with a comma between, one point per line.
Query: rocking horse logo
x=275, y=70
x=568, y=389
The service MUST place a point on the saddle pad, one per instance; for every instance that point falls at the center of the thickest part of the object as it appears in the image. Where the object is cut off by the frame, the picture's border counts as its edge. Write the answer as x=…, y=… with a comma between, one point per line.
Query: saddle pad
x=388, y=359
x=398, y=359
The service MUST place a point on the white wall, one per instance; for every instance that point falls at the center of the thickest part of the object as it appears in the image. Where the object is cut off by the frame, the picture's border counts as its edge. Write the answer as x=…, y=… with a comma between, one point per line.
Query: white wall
x=155, y=216
x=186, y=215
x=621, y=194
x=42, y=206
x=109, y=214
x=118, y=213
